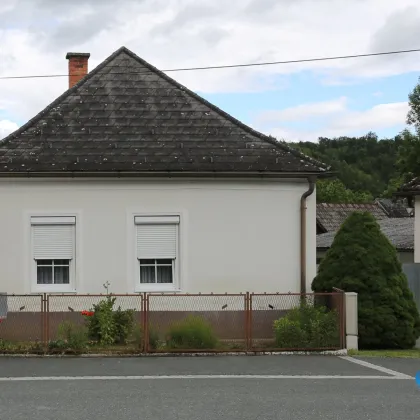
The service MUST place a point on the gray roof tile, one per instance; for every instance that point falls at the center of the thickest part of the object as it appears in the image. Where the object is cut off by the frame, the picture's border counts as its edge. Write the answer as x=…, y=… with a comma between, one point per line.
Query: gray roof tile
x=331, y=216
x=399, y=231
x=127, y=116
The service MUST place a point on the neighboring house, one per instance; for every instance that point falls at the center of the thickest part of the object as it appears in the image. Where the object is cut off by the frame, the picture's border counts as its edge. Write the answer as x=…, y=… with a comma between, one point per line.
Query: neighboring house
x=411, y=191
x=394, y=208
x=399, y=231
x=329, y=217
x=132, y=179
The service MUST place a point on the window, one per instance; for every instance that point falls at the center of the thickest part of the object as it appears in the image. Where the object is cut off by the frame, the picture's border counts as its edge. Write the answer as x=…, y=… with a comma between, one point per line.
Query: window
x=156, y=271
x=157, y=252
x=53, y=249
x=53, y=271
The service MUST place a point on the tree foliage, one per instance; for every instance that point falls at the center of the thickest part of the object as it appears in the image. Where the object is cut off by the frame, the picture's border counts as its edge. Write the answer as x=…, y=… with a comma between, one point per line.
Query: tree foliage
x=335, y=192
x=413, y=117
x=362, y=260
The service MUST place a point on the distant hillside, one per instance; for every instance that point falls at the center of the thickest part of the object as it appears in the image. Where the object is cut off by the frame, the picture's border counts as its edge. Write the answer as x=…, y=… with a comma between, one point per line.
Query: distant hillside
x=366, y=166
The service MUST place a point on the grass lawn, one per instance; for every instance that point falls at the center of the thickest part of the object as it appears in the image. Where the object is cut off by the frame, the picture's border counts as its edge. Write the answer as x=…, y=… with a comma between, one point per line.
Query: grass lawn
x=406, y=354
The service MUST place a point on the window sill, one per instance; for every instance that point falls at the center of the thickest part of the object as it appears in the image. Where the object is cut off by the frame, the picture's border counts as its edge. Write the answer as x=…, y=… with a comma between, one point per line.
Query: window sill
x=53, y=291
x=157, y=290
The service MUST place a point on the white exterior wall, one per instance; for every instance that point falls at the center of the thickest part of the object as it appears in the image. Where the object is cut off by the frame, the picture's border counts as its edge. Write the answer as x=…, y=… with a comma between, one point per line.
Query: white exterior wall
x=417, y=230
x=235, y=236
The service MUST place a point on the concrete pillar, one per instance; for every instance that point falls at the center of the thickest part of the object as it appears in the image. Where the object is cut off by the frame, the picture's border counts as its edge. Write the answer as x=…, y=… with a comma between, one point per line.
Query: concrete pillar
x=352, y=331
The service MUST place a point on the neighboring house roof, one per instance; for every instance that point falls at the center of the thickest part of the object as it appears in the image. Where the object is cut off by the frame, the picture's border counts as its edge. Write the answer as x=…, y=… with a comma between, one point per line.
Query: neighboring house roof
x=399, y=231
x=393, y=208
x=128, y=118
x=330, y=217
x=410, y=188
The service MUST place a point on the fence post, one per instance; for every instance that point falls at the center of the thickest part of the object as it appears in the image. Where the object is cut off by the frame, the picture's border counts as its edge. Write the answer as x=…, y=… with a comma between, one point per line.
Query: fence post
x=249, y=344
x=246, y=313
x=47, y=318
x=352, y=331
x=146, y=323
x=43, y=320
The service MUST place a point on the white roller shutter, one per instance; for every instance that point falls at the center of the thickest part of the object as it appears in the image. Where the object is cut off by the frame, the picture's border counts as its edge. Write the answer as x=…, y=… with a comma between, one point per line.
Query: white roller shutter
x=53, y=241
x=157, y=241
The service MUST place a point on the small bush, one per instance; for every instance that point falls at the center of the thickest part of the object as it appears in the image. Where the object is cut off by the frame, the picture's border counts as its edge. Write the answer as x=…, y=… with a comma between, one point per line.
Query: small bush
x=307, y=326
x=124, y=324
x=154, y=341
x=191, y=333
x=108, y=327
x=70, y=336
x=138, y=337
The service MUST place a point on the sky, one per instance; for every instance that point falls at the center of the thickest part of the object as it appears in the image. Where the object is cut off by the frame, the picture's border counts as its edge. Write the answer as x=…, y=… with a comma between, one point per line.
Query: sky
x=292, y=102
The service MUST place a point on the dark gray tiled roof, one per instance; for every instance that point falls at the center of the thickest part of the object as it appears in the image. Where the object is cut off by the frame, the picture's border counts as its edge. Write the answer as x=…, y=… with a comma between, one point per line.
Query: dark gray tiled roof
x=393, y=208
x=399, y=231
x=410, y=188
x=331, y=216
x=127, y=117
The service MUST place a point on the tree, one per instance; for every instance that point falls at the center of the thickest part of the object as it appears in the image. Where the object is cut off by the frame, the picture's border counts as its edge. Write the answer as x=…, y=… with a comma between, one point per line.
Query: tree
x=362, y=260
x=408, y=156
x=334, y=191
x=363, y=164
x=413, y=117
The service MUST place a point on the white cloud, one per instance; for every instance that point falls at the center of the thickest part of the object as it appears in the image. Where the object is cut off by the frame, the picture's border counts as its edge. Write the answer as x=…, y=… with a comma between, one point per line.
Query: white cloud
x=346, y=122
x=380, y=116
x=36, y=34
x=7, y=127
x=303, y=112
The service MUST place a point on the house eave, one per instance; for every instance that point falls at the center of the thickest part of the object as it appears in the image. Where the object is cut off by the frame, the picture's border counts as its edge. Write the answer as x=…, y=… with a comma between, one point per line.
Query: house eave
x=160, y=174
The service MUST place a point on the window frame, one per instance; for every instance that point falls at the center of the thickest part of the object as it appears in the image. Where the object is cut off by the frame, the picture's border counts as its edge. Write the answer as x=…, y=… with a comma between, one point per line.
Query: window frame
x=52, y=219
x=157, y=219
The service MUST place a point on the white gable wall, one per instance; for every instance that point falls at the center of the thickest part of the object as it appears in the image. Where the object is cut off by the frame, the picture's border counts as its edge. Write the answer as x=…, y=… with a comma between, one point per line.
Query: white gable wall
x=234, y=236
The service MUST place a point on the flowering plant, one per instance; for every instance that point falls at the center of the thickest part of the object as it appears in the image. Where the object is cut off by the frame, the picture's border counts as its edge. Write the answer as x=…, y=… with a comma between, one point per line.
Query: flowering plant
x=88, y=313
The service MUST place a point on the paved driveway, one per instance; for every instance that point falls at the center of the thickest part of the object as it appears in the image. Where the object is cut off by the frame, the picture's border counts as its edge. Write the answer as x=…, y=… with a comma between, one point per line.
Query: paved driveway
x=201, y=388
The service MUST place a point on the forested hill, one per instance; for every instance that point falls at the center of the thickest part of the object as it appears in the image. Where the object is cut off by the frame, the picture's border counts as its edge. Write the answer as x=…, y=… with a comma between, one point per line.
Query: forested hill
x=366, y=167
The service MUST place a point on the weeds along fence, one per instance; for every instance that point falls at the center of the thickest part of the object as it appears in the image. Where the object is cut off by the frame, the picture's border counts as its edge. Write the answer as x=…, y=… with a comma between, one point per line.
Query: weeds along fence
x=153, y=323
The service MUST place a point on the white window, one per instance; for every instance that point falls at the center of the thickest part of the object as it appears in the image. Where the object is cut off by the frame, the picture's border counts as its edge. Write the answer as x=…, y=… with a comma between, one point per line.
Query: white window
x=53, y=253
x=157, y=252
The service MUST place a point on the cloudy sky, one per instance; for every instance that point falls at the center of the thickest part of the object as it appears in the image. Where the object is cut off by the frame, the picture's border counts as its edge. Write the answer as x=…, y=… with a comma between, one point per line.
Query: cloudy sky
x=292, y=102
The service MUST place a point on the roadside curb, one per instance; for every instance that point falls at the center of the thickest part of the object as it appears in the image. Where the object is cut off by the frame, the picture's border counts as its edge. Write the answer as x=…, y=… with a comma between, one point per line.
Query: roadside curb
x=116, y=355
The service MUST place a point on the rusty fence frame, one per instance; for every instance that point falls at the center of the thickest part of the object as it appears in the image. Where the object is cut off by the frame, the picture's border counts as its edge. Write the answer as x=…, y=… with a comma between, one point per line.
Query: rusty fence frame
x=337, y=299
x=246, y=330
x=339, y=306
x=48, y=297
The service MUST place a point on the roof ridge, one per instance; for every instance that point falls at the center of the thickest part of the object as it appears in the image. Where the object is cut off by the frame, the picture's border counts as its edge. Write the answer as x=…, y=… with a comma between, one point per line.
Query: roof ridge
x=269, y=139
x=279, y=144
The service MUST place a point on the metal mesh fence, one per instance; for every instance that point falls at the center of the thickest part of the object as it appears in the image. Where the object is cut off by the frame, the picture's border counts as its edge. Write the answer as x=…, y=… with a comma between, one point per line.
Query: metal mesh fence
x=200, y=322
x=21, y=318
x=179, y=322
x=296, y=322
x=78, y=310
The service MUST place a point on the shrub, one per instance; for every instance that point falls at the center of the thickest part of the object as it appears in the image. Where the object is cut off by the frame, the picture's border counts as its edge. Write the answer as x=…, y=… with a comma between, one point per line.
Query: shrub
x=124, y=324
x=70, y=336
x=138, y=336
x=307, y=326
x=362, y=260
x=191, y=333
x=107, y=326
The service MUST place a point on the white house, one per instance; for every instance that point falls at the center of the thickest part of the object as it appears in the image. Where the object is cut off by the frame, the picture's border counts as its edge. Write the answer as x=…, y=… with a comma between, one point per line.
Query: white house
x=132, y=179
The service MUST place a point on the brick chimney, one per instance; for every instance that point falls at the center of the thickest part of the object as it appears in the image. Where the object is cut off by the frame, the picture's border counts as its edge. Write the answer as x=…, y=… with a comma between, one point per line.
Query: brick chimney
x=78, y=67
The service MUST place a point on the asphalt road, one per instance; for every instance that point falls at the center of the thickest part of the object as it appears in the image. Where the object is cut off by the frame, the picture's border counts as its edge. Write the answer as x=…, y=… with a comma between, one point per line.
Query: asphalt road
x=46, y=389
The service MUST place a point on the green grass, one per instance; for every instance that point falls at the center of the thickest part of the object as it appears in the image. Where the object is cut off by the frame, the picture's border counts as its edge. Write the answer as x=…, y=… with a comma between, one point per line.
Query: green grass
x=406, y=354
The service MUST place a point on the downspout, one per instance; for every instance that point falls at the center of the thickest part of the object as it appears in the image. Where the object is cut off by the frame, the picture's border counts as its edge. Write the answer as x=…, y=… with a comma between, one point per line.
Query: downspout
x=303, y=208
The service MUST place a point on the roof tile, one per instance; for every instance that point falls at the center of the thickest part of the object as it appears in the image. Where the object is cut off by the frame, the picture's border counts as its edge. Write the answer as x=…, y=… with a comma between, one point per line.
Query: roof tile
x=126, y=115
